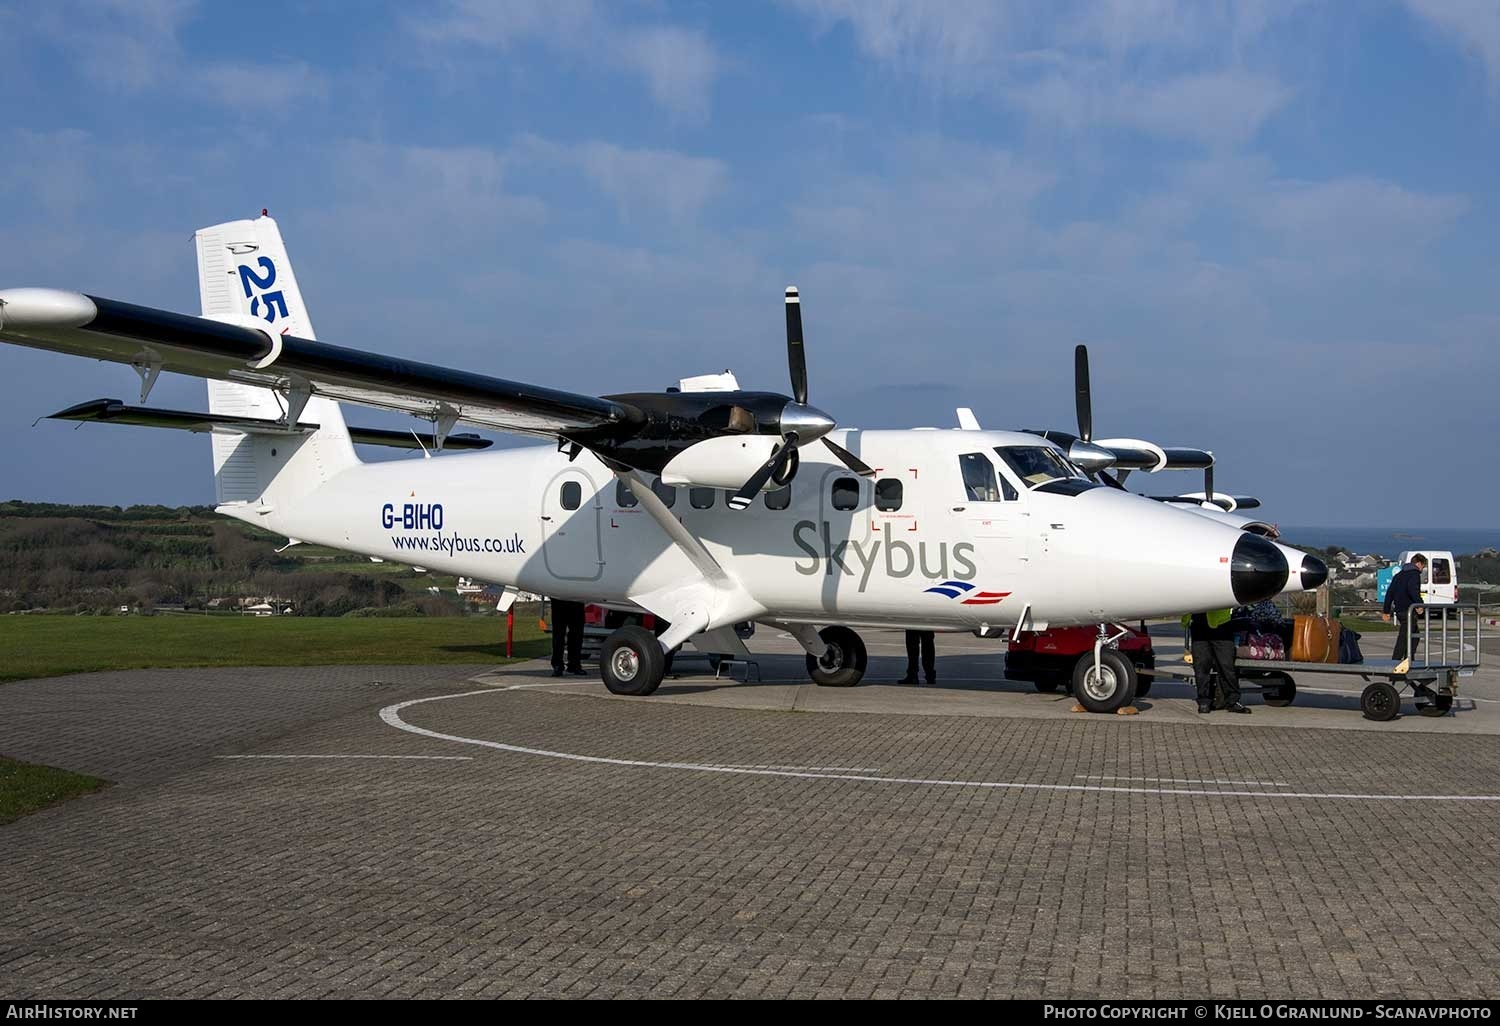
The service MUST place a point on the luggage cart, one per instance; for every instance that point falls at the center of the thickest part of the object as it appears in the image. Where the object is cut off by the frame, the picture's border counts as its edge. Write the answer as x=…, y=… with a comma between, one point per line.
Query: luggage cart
x=1448, y=650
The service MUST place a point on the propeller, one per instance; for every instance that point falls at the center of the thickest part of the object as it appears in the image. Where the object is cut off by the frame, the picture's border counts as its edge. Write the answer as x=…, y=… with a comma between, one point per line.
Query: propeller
x=1208, y=482
x=1081, y=396
x=800, y=423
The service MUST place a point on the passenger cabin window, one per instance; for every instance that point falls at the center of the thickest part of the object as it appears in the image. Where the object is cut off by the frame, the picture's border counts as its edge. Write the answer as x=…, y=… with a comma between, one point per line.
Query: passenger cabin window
x=665, y=492
x=781, y=498
x=572, y=495
x=1442, y=572
x=701, y=498
x=1037, y=465
x=888, y=495
x=979, y=477
x=845, y=493
x=624, y=497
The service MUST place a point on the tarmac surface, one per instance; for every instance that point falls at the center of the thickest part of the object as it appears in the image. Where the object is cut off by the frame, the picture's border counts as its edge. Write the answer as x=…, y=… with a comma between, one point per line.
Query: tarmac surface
x=459, y=832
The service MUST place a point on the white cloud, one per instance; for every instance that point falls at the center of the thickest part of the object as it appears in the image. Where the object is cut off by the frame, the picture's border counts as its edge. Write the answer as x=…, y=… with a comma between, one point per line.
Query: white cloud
x=1170, y=68
x=504, y=22
x=1212, y=108
x=677, y=65
x=120, y=43
x=134, y=46
x=640, y=182
x=1474, y=24
x=258, y=88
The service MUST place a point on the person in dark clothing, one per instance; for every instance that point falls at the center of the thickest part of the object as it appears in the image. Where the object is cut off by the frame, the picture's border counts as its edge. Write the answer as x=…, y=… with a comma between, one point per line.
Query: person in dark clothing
x=1213, y=649
x=920, y=641
x=567, y=637
x=1404, y=593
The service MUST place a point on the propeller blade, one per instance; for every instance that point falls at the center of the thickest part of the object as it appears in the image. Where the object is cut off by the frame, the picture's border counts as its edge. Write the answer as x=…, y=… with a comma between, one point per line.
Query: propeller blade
x=796, y=357
x=1081, y=392
x=1208, y=482
x=1112, y=482
x=769, y=469
x=849, y=460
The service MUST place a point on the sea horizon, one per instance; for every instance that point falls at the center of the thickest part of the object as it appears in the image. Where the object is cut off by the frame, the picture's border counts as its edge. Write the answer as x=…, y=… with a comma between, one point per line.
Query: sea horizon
x=1390, y=542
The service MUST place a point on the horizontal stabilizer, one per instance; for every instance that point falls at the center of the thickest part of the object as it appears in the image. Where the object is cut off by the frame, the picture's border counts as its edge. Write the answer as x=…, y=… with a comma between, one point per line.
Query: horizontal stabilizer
x=113, y=411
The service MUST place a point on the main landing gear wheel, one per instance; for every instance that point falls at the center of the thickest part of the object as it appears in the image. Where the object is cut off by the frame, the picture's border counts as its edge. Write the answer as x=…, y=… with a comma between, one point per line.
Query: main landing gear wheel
x=1113, y=687
x=1380, y=702
x=1278, y=690
x=632, y=662
x=842, y=664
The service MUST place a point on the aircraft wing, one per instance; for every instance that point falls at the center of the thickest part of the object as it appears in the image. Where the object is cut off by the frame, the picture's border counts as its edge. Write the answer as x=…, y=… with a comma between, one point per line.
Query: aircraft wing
x=113, y=411
x=156, y=340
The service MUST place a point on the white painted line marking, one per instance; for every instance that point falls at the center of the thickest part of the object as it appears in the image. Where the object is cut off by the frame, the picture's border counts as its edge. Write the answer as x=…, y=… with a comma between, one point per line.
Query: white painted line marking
x=391, y=714
x=1180, y=780
x=443, y=758
x=807, y=769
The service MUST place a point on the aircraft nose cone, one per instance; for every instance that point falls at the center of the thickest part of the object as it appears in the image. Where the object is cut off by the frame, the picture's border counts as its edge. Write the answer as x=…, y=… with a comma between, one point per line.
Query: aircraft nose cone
x=1314, y=573
x=1257, y=569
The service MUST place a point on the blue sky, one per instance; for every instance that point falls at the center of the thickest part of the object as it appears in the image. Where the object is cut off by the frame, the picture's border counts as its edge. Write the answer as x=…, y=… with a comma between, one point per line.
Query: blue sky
x=1275, y=223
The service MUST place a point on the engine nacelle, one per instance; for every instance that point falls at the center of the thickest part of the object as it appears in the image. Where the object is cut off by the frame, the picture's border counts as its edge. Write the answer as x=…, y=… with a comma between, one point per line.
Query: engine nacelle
x=723, y=462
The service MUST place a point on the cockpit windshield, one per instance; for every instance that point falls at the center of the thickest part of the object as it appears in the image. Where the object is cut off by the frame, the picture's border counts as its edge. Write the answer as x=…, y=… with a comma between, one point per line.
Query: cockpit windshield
x=1037, y=465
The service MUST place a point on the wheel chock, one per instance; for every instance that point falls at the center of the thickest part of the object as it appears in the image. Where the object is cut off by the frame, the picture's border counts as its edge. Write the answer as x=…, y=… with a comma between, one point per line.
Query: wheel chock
x=1128, y=710
x=1077, y=708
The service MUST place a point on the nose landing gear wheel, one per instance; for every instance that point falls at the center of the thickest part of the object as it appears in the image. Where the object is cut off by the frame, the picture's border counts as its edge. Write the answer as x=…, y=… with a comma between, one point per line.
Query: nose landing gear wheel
x=842, y=664
x=632, y=662
x=1113, y=687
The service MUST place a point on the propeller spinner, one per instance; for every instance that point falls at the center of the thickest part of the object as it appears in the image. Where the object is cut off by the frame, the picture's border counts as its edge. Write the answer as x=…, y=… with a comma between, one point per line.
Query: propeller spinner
x=800, y=423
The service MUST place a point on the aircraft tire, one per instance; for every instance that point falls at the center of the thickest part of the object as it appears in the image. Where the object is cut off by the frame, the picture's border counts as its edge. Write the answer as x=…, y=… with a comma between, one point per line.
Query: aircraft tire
x=1278, y=690
x=1115, y=688
x=1380, y=702
x=632, y=662
x=847, y=650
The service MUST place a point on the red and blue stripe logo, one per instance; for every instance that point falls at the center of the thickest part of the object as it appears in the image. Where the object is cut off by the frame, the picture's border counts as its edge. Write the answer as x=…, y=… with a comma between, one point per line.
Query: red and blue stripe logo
x=965, y=591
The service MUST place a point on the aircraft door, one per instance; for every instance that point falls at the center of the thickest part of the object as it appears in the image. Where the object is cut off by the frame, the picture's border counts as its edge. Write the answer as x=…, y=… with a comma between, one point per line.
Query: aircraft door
x=571, y=546
x=991, y=510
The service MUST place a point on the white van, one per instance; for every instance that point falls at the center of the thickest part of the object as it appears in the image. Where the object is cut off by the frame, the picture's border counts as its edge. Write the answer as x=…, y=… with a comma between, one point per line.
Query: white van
x=1439, y=583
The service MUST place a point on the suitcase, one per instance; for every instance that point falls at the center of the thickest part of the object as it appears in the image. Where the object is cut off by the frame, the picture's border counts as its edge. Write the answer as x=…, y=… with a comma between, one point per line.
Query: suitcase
x=1315, y=639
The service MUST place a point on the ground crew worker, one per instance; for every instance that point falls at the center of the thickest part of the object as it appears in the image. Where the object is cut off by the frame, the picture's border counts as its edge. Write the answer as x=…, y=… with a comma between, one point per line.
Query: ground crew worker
x=920, y=641
x=1401, y=595
x=567, y=638
x=1213, y=649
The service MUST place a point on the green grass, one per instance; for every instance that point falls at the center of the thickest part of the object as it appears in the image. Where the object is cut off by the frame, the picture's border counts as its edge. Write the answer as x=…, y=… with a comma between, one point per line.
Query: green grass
x=1366, y=626
x=47, y=646
x=25, y=788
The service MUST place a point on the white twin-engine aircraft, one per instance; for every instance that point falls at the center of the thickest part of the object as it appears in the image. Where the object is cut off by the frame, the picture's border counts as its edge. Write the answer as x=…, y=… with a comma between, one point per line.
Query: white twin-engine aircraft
x=706, y=505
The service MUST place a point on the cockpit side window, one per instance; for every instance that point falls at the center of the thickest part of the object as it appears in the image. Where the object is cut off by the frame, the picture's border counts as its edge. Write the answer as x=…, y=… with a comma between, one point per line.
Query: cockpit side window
x=1037, y=465
x=979, y=477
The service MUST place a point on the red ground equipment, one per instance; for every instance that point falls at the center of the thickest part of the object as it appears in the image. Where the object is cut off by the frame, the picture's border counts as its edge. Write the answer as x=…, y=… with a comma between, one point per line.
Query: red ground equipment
x=1049, y=658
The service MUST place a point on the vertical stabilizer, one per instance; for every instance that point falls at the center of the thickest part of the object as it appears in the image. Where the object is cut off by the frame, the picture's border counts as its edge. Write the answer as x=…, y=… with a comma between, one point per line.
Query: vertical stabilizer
x=244, y=272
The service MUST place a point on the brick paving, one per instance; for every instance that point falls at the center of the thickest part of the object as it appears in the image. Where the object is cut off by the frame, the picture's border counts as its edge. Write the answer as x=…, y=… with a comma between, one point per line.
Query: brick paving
x=519, y=875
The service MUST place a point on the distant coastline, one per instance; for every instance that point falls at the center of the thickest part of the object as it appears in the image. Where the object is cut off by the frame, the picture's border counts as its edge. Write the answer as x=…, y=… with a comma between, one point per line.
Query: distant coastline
x=1389, y=542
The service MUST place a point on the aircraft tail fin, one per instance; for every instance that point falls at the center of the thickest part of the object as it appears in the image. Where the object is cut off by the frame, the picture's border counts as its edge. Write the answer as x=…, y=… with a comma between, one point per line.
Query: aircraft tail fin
x=243, y=274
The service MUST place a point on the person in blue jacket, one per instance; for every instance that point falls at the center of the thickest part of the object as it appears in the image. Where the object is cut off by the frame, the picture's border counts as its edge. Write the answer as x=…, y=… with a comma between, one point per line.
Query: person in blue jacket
x=1404, y=594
